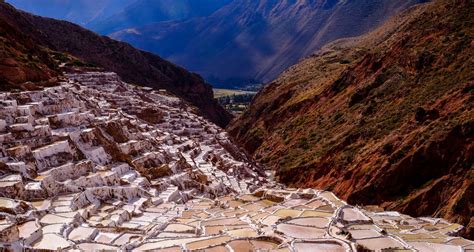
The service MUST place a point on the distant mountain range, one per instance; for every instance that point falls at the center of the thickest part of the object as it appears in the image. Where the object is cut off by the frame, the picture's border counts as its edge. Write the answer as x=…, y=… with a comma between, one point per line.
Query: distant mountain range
x=108, y=16
x=230, y=42
x=82, y=12
x=255, y=40
x=145, y=12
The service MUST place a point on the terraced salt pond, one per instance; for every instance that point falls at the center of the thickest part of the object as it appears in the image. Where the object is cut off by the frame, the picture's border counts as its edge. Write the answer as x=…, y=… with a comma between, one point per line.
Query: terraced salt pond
x=311, y=221
x=327, y=246
x=301, y=232
x=83, y=168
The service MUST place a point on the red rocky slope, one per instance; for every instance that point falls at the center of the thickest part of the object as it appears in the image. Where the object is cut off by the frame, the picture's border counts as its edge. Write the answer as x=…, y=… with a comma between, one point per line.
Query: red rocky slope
x=383, y=119
x=22, y=62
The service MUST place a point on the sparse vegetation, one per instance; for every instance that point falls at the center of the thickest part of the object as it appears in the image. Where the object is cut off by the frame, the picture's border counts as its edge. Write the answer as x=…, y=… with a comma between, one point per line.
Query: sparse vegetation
x=303, y=144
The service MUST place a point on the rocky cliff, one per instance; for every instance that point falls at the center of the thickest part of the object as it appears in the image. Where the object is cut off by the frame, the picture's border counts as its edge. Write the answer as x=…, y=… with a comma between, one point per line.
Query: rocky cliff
x=382, y=119
x=132, y=65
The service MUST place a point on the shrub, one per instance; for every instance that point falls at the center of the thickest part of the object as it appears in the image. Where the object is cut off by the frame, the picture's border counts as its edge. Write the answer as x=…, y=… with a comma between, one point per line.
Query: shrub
x=387, y=148
x=303, y=144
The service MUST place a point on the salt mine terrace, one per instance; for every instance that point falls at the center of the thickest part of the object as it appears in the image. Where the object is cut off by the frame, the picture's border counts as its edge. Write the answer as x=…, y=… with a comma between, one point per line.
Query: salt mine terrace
x=97, y=164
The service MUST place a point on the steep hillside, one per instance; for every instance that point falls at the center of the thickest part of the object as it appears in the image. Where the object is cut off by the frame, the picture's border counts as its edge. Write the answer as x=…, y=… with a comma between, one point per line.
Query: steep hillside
x=255, y=40
x=132, y=65
x=383, y=119
x=144, y=12
x=22, y=62
x=83, y=12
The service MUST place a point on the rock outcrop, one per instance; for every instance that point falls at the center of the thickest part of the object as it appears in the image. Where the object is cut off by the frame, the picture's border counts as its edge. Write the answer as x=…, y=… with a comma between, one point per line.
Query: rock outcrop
x=383, y=119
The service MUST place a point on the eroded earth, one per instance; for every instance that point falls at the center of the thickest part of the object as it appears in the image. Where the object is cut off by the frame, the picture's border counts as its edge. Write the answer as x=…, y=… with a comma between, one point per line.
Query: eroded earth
x=98, y=164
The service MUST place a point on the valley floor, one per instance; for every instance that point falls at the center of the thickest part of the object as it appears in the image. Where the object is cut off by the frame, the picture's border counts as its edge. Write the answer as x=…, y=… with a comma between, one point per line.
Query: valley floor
x=97, y=164
x=234, y=101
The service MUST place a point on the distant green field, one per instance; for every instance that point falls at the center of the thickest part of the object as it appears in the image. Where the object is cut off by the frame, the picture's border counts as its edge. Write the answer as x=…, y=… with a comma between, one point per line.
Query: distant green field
x=229, y=92
x=235, y=101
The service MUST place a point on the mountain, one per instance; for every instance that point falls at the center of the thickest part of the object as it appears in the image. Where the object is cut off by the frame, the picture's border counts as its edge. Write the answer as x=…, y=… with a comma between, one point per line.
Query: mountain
x=82, y=12
x=108, y=16
x=232, y=43
x=384, y=119
x=133, y=66
x=22, y=61
x=250, y=41
x=144, y=12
